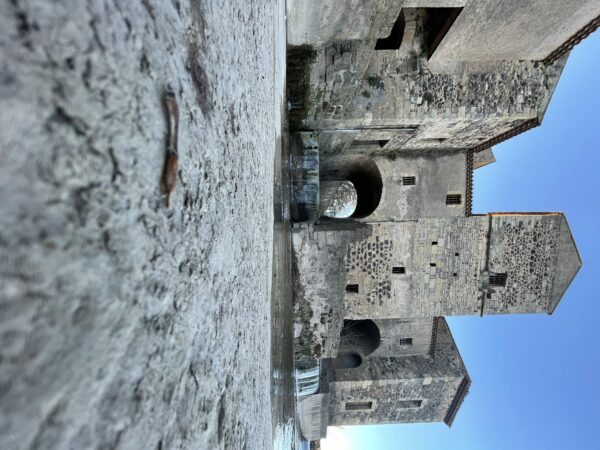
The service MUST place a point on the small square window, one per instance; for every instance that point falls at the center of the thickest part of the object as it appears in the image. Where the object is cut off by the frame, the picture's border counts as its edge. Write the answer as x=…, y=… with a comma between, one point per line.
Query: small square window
x=398, y=270
x=454, y=274
x=409, y=181
x=358, y=406
x=456, y=254
x=497, y=279
x=453, y=199
x=352, y=288
x=405, y=341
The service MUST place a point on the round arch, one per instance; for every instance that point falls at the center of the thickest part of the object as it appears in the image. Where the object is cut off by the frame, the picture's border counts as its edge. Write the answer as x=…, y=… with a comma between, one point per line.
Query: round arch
x=360, y=336
x=365, y=176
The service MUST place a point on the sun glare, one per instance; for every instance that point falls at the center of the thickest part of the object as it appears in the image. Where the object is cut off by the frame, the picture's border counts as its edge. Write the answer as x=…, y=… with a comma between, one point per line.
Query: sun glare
x=336, y=440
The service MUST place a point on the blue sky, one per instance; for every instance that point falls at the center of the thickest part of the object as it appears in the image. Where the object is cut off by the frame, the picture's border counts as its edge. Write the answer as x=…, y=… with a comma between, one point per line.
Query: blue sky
x=536, y=378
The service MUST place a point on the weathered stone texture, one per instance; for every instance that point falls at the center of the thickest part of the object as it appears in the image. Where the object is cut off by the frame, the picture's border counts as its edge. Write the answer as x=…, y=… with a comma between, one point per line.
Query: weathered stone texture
x=446, y=264
x=437, y=173
x=387, y=381
x=487, y=30
x=525, y=248
x=319, y=277
x=440, y=278
x=454, y=105
x=394, y=333
x=124, y=323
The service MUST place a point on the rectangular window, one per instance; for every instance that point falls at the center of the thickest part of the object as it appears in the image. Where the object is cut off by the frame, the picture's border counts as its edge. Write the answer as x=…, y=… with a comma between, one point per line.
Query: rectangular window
x=409, y=181
x=380, y=143
x=497, y=279
x=352, y=288
x=358, y=406
x=434, y=242
x=405, y=341
x=406, y=404
x=434, y=140
x=453, y=199
x=398, y=270
x=432, y=264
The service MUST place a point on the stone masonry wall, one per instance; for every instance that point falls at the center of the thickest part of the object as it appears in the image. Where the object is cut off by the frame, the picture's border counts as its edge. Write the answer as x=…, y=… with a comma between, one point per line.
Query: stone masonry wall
x=354, y=86
x=525, y=248
x=443, y=261
x=319, y=253
x=394, y=333
x=386, y=381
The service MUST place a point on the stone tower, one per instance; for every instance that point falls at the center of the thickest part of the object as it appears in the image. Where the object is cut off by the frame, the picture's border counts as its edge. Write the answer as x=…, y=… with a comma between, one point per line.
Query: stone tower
x=425, y=386
x=485, y=264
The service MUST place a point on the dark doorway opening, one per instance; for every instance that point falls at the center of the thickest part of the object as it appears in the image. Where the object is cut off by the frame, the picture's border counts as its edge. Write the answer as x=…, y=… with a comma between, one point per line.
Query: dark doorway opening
x=439, y=21
x=347, y=361
x=360, y=336
x=393, y=41
x=364, y=175
x=371, y=143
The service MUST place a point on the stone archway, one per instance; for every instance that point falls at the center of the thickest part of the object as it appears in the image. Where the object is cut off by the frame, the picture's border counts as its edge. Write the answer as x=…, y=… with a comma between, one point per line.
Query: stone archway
x=364, y=176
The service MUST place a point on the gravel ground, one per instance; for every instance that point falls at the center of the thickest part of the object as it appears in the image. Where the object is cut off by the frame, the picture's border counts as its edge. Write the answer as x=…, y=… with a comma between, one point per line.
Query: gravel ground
x=124, y=323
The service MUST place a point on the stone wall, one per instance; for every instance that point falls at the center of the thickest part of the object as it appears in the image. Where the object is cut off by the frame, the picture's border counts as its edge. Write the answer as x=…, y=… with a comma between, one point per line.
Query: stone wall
x=514, y=29
x=526, y=248
x=437, y=173
x=455, y=246
x=355, y=87
x=387, y=382
x=395, y=332
x=442, y=266
x=319, y=253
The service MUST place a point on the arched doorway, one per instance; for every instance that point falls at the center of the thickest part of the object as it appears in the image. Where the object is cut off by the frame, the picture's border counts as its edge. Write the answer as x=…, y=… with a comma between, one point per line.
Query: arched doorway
x=347, y=361
x=358, y=181
x=360, y=336
x=358, y=339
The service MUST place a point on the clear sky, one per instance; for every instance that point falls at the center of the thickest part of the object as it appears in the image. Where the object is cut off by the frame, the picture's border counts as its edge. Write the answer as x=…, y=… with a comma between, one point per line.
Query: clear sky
x=536, y=378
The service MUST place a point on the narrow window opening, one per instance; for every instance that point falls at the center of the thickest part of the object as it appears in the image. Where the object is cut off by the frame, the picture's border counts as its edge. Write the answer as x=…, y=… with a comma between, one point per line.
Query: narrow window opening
x=352, y=288
x=398, y=270
x=488, y=295
x=498, y=279
x=405, y=404
x=453, y=199
x=432, y=265
x=358, y=406
x=379, y=143
x=409, y=181
x=405, y=341
x=439, y=21
x=393, y=41
x=435, y=140
x=434, y=242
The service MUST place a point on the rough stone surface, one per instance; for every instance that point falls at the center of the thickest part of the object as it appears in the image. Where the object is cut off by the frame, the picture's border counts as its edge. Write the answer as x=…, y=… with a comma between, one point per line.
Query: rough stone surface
x=390, y=383
x=125, y=324
x=318, y=294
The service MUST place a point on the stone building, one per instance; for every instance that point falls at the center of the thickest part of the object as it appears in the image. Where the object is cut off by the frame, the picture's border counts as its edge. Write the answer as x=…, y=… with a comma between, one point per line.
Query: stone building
x=398, y=102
